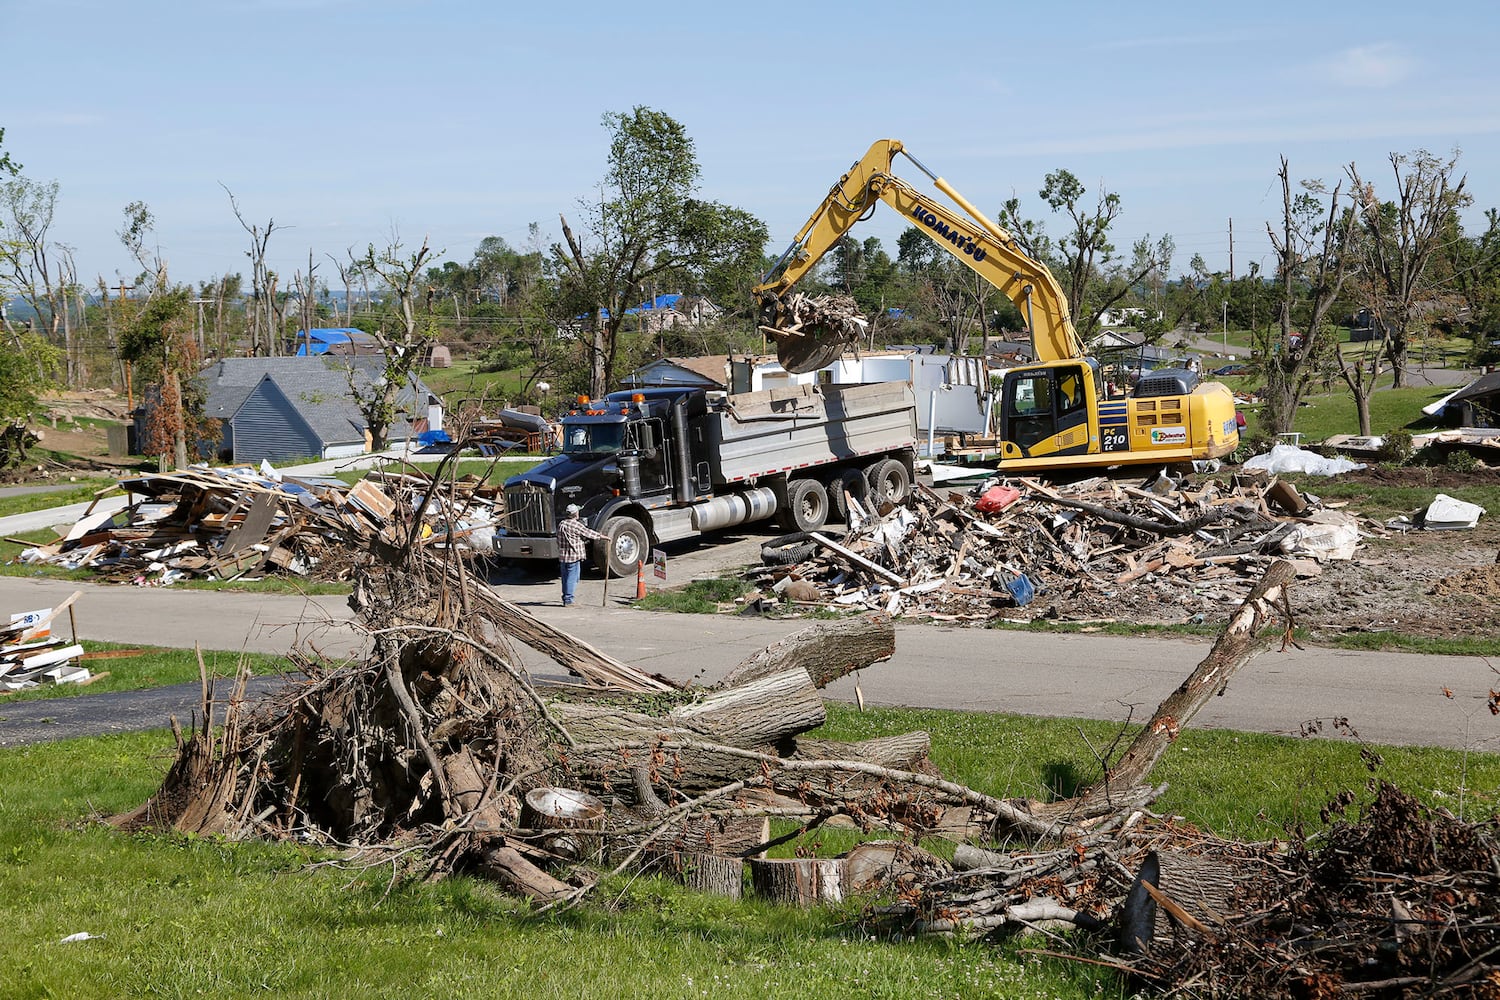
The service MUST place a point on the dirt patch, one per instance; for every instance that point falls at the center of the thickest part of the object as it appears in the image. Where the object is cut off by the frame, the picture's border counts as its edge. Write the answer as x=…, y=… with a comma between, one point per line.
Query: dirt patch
x=1431, y=583
x=1424, y=476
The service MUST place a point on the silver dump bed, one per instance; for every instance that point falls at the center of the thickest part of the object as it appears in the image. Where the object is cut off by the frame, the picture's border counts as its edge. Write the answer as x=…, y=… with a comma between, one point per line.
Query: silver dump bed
x=795, y=427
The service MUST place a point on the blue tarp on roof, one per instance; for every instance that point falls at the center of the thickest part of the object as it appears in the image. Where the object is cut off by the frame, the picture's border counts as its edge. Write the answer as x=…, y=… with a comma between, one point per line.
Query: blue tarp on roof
x=319, y=339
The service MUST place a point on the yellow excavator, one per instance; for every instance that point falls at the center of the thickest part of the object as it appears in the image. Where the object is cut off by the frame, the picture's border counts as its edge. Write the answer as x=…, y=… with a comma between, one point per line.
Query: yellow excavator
x=1054, y=414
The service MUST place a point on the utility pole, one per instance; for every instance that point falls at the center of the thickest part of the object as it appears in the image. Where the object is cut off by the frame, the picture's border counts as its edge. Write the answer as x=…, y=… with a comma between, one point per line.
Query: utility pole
x=1231, y=251
x=129, y=394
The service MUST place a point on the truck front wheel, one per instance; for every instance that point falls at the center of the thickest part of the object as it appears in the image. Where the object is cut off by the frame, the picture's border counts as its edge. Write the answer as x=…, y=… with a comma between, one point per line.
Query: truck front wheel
x=625, y=545
x=806, y=506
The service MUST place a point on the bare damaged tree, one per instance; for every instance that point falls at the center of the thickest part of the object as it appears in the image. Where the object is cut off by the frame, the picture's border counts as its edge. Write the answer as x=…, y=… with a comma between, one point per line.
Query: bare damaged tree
x=347, y=273
x=26, y=265
x=307, y=290
x=1401, y=239
x=1312, y=263
x=400, y=338
x=263, y=319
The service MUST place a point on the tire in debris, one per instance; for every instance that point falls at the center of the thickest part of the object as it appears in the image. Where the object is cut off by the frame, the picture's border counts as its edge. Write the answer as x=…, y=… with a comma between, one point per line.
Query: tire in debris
x=806, y=506
x=787, y=550
x=626, y=544
x=890, y=482
x=853, y=483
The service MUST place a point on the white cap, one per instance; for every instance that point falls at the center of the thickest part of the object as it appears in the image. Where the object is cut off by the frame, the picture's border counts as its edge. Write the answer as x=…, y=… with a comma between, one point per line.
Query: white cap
x=573, y=508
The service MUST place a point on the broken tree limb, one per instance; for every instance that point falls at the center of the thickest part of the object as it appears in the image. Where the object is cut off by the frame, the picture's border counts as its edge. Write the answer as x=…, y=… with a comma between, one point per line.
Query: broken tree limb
x=1237, y=644
x=826, y=650
x=757, y=713
x=1163, y=528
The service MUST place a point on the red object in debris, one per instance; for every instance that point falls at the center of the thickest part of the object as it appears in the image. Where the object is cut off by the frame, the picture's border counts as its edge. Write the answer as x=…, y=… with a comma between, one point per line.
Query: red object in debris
x=997, y=498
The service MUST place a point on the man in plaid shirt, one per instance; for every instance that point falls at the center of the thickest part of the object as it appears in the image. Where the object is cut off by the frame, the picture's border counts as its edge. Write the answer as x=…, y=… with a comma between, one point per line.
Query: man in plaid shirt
x=572, y=538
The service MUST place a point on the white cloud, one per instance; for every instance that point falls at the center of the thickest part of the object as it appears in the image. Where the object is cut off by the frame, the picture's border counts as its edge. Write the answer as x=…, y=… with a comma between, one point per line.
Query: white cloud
x=1380, y=65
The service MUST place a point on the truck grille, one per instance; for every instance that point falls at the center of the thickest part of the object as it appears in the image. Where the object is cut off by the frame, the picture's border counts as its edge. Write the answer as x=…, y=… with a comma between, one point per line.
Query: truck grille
x=528, y=510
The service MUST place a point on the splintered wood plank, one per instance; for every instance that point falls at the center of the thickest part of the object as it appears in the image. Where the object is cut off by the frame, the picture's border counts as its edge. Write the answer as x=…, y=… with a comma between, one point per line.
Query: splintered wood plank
x=253, y=528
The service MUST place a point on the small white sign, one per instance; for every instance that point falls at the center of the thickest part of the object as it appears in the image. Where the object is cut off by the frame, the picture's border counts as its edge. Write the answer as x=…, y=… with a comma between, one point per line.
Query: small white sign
x=659, y=564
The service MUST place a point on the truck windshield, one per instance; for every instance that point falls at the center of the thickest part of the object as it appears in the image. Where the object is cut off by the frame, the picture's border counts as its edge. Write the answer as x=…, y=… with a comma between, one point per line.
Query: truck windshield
x=582, y=439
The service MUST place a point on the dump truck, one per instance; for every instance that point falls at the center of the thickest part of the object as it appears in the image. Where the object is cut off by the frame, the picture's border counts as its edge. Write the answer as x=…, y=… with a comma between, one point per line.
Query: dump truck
x=662, y=464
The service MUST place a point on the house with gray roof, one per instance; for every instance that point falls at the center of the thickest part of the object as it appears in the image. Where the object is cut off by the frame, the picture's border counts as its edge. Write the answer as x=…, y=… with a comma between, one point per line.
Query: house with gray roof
x=302, y=407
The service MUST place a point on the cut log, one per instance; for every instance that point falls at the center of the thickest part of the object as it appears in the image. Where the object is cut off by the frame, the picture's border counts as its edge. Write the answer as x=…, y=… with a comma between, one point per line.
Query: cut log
x=705, y=872
x=498, y=860
x=882, y=865
x=758, y=713
x=569, y=822
x=467, y=785
x=798, y=881
x=826, y=650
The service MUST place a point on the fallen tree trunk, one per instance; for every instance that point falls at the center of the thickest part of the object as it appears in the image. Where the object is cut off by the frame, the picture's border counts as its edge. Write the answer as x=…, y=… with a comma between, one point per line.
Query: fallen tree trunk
x=1237, y=645
x=826, y=650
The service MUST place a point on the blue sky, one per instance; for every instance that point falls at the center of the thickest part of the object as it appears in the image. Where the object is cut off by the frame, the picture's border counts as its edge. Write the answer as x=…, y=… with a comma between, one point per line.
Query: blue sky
x=347, y=121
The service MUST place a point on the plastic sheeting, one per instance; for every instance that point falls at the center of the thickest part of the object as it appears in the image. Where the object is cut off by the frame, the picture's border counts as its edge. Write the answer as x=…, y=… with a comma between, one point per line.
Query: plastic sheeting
x=1288, y=458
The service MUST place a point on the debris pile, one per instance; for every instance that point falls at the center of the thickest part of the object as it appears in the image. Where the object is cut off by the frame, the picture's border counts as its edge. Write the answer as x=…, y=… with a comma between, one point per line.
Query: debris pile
x=1403, y=901
x=438, y=751
x=1094, y=551
x=205, y=523
x=30, y=655
x=811, y=331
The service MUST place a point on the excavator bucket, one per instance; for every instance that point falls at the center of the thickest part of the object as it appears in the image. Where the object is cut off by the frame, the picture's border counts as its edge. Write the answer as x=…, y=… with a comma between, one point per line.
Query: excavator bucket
x=811, y=331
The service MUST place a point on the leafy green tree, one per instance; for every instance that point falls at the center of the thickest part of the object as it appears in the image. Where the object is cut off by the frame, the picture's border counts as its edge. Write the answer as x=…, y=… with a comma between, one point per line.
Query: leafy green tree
x=1475, y=265
x=159, y=343
x=648, y=228
x=7, y=165
x=1083, y=258
x=19, y=391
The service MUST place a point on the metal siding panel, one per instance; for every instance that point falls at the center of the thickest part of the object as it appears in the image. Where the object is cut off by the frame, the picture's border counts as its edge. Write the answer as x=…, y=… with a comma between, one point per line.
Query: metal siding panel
x=264, y=428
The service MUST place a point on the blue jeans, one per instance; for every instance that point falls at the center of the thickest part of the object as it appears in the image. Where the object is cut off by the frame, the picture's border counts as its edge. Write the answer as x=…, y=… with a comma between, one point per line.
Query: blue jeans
x=570, y=573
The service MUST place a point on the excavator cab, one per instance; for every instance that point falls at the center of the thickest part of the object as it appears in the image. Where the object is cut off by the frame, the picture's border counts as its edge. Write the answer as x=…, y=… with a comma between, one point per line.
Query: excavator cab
x=1045, y=409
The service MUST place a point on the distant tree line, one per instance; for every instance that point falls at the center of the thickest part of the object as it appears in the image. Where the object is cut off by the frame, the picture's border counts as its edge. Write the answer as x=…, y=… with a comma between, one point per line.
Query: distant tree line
x=561, y=311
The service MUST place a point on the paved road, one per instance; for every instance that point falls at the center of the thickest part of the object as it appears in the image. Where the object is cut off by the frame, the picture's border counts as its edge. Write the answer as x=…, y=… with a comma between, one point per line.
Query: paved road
x=1388, y=697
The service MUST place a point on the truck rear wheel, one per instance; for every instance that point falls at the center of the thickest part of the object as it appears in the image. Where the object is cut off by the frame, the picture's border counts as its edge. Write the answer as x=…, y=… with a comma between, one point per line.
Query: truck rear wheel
x=850, y=484
x=806, y=506
x=626, y=544
x=889, y=481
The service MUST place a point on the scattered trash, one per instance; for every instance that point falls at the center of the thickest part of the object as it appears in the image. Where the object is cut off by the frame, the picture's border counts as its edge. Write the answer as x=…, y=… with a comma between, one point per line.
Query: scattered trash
x=1447, y=513
x=30, y=655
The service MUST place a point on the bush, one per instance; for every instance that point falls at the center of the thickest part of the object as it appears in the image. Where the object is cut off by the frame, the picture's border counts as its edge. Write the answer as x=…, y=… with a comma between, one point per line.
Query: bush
x=1459, y=460
x=1397, y=449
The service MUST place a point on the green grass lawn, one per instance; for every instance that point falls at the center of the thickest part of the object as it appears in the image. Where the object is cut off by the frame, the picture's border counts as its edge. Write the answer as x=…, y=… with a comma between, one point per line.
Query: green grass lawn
x=152, y=667
x=1322, y=415
x=81, y=491
x=179, y=916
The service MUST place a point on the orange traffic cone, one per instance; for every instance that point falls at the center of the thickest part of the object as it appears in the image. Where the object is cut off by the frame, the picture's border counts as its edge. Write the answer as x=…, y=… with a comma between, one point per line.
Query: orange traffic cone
x=640, y=579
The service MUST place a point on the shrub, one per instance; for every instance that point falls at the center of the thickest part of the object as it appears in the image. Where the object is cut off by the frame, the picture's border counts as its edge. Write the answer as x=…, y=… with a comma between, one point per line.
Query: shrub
x=1398, y=448
x=1459, y=460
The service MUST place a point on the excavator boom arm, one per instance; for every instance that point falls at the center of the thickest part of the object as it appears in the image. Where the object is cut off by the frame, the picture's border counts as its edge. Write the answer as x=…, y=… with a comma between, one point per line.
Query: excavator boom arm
x=974, y=240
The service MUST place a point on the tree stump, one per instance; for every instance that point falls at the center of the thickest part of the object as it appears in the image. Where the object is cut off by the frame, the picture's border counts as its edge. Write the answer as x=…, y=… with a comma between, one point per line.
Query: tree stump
x=569, y=823
x=710, y=873
x=798, y=881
